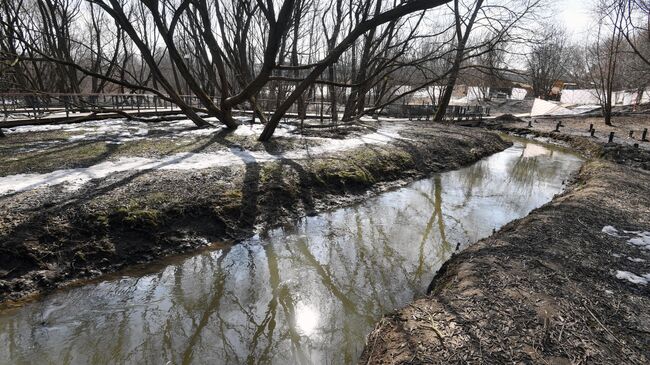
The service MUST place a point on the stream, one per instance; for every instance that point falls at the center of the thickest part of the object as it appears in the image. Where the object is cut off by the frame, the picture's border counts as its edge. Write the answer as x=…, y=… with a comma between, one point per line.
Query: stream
x=305, y=294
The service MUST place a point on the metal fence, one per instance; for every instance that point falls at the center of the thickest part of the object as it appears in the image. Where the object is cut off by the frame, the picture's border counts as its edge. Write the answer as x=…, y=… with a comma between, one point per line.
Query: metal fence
x=35, y=106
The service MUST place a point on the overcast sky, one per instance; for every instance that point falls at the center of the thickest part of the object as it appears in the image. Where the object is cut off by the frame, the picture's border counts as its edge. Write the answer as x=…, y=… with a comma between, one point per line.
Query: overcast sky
x=575, y=16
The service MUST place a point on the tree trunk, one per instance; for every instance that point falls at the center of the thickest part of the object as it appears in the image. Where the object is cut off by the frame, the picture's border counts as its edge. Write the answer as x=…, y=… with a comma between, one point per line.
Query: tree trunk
x=334, y=54
x=449, y=88
x=458, y=59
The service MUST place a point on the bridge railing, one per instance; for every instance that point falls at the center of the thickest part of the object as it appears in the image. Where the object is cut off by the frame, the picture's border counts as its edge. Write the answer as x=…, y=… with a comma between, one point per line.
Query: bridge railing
x=40, y=106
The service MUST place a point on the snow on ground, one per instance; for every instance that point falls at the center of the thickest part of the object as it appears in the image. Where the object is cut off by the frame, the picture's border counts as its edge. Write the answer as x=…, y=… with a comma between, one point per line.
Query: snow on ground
x=633, y=278
x=610, y=230
x=640, y=239
x=75, y=178
x=121, y=130
x=635, y=259
x=99, y=126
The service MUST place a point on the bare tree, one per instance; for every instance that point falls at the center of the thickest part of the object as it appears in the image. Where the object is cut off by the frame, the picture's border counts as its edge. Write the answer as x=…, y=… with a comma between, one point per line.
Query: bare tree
x=463, y=30
x=481, y=27
x=635, y=26
x=606, y=54
x=229, y=54
x=546, y=61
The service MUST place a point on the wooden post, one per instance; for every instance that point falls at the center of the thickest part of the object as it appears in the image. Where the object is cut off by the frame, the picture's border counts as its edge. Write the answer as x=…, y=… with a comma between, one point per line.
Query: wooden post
x=611, y=137
x=591, y=127
x=530, y=124
x=592, y=132
x=644, y=135
x=557, y=126
x=631, y=134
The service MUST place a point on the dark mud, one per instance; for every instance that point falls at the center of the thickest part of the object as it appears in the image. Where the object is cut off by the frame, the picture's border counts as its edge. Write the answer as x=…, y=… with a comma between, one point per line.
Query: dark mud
x=545, y=288
x=51, y=237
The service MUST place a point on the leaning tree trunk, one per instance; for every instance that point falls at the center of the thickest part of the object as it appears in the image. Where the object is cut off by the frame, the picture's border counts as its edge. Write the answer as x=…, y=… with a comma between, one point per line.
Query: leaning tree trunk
x=449, y=88
x=458, y=59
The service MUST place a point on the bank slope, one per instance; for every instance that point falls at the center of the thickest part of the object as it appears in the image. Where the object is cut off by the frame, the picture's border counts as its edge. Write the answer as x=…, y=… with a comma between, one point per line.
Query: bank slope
x=566, y=284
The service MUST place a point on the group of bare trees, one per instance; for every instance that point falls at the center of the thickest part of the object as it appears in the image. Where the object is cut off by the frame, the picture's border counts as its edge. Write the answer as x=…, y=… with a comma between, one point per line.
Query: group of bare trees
x=617, y=57
x=614, y=57
x=356, y=54
x=547, y=61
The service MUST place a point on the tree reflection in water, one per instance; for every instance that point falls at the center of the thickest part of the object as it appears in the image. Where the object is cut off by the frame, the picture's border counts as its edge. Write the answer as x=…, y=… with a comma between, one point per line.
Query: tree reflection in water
x=308, y=294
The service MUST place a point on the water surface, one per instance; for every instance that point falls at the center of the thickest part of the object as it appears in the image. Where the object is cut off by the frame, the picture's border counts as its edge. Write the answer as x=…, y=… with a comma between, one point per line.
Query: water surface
x=305, y=294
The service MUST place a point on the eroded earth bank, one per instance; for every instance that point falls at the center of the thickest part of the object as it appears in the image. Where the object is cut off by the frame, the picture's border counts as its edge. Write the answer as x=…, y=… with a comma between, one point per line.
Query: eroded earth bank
x=568, y=284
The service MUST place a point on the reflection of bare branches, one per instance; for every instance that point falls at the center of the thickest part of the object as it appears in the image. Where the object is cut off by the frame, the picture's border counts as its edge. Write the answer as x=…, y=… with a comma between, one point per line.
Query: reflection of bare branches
x=441, y=224
x=241, y=305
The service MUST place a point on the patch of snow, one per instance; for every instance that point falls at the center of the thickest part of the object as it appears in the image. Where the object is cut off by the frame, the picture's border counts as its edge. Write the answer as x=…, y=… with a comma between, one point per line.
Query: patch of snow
x=641, y=240
x=610, y=230
x=75, y=178
x=200, y=132
x=633, y=278
x=44, y=128
x=617, y=255
x=77, y=137
x=203, y=241
x=246, y=129
x=635, y=259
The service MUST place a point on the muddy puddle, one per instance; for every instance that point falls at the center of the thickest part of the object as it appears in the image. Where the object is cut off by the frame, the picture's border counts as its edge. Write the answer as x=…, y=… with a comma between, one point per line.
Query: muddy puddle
x=305, y=294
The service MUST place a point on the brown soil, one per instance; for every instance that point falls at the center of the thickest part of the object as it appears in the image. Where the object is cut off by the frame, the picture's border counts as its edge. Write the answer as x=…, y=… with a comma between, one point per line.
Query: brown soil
x=579, y=126
x=51, y=237
x=543, y=289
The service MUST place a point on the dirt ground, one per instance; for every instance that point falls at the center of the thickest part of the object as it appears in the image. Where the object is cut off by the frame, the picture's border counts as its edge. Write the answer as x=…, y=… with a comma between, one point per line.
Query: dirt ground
x=556, y=287
x=51, y=236
x=579, y=126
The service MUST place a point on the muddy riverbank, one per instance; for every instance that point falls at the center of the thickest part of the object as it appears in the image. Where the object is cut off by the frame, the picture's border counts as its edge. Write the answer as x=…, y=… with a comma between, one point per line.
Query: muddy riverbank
x=567, y=284
x=575, y=133
x=82, y=228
